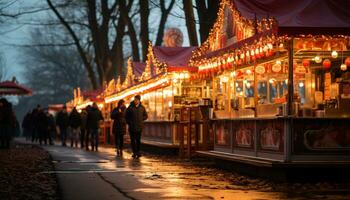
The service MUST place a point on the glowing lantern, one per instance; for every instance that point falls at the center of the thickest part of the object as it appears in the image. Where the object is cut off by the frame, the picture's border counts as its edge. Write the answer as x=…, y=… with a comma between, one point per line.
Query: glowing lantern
x=334, y=54
x=306, y=63
x=326, y=64
x=318, y=59
x=343, y=67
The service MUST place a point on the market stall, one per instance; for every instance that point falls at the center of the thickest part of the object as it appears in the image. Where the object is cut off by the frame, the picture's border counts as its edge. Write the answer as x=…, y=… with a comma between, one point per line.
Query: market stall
x=279, y=88
x=165, y=86
x=82, y=99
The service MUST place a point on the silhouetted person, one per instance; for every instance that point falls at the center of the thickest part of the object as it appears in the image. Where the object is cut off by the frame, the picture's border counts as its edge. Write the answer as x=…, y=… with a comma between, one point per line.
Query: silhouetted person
x=27, y=125
x=83, y=128
x=74, y=123
x=93, y=120
x=51, y=128
x=62, y=121
x=88, y=129
x=42, y=126
x=35, y=132
x=135, y=116
x=119, y=126
x=7, y=123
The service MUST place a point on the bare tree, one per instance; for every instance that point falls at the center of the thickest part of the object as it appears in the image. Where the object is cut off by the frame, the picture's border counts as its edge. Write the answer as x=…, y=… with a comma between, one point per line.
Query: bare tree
x=207, y=12
x=107, y=42
x=144, y=33
x=163, y=18
x=190, y=22
x=53, y=71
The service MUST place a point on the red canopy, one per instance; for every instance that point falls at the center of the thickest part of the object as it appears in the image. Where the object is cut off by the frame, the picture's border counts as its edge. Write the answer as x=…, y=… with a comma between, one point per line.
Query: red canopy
x=92, y=95
x=174, y=56
x=138, y=68
x=13, y=88
x=301, y=17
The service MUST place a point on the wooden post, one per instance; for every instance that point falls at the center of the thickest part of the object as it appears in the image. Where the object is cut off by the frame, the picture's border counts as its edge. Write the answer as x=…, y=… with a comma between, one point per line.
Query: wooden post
x=255, y=93
x=290, y=77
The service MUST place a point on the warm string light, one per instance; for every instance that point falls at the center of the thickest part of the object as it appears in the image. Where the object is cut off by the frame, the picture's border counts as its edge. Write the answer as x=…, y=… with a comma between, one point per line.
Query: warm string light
x=246, y=25
x=138, y=89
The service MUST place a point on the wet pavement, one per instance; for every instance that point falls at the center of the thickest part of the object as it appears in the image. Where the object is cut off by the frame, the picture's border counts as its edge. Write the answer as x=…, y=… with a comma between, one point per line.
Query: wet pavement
x=101, y=175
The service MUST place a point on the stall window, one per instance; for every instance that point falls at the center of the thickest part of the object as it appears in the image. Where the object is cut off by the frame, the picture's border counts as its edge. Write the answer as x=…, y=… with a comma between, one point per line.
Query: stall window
x=249, y=89
x=262, y=92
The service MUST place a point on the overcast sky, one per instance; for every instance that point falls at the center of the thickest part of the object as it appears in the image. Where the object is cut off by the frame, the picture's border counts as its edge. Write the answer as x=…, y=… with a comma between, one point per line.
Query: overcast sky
x=14, y=33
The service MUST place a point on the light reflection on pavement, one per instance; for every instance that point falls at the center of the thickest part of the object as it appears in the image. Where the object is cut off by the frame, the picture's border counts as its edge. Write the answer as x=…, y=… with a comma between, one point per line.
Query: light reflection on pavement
x=154, y=178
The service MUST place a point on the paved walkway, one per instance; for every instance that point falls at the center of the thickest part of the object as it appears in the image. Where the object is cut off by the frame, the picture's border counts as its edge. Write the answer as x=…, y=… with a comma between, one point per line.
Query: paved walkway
x=100, y=175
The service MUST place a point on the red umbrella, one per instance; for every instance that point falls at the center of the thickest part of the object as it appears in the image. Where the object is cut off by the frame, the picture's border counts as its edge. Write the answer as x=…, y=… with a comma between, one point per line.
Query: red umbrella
x=13, y=88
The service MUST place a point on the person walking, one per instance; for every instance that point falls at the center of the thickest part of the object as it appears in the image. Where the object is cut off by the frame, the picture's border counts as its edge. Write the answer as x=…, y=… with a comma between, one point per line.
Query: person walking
x=5, y=123
x=27, y=125
x=88, y=129
x=51, y=128
x=119, y=126
x=35, y=121
x=83, y=128
x=42, y=126
x=135, y=116
x=62, y=121
x=74, y=123
x=93, y=120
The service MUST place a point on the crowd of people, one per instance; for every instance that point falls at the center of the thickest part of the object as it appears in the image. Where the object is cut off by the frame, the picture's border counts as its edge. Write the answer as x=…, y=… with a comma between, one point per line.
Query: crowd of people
x=83, y=127
x=41, y=126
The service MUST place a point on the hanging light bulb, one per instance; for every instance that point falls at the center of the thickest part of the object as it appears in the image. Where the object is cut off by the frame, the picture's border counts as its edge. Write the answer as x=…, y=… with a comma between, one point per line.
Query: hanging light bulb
x=318, y=59
x=334, y=54
x=301, y=84
x=343, y=67
x=278, y=62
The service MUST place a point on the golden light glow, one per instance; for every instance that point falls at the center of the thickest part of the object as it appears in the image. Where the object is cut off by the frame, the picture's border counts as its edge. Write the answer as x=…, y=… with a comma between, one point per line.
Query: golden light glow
x=343, y=67
x=83, y=105
x=334, y=54
x=137, y=89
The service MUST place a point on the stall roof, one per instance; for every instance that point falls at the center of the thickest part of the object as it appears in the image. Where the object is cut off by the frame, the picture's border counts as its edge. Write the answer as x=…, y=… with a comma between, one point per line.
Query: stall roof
x=92, y=94
x=173, y=56
x=301, y=17
x=138, y=68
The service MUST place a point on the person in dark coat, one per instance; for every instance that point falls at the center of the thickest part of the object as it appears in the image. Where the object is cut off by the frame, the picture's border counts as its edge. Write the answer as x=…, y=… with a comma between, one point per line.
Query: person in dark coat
x=51, y=127
x=119, y=126
x=42, y=126
x=27, y=125
x=35, y=121
x=7, y=123
x=83, y=128
x=93, y=120
x=4, y=120
x=62, y=121
x=135, y=116
x=74, y=123
x=88, y=129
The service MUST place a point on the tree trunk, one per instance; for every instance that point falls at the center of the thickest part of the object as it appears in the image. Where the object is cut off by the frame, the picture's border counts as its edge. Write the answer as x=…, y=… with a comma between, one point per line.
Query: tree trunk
x=131, y=31
x=190, y=23
x=144, y=33
x=206, y=16
x=163, y=19
x=82, y=53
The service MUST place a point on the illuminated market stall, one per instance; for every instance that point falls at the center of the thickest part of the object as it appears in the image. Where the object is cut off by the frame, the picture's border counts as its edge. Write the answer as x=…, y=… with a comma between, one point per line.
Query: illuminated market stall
x=165, y=85
x=280, y=89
